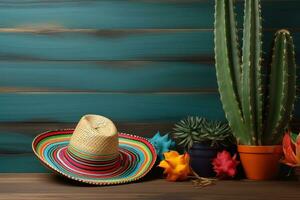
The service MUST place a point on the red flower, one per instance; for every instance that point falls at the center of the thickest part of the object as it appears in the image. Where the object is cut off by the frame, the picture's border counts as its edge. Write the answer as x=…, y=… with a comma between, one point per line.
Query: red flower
x=291, y=149
x=225, y=165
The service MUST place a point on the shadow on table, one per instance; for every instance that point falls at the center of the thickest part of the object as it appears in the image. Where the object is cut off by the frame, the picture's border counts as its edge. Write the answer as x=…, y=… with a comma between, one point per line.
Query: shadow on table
x=154, y=174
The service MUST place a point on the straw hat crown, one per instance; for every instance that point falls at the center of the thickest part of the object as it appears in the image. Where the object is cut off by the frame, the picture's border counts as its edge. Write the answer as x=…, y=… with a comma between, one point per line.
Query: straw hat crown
x=95, y=136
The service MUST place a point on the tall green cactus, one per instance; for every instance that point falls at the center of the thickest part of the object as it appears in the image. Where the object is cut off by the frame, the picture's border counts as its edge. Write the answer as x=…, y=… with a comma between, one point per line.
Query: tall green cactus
x=246, y=96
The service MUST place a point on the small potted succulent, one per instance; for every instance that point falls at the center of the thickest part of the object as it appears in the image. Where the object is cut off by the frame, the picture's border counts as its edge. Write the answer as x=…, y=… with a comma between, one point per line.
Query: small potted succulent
x=202, y=139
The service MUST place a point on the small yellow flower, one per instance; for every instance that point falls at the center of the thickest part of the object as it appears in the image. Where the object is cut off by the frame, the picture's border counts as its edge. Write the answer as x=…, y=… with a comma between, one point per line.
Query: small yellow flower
x=176, y=167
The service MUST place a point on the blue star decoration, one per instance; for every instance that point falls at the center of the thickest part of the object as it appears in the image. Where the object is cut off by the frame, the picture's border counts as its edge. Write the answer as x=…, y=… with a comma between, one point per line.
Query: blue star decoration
x=162, y=144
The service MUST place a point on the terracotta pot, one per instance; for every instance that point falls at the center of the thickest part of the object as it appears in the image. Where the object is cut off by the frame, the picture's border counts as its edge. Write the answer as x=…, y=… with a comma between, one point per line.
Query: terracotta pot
x=260, y=162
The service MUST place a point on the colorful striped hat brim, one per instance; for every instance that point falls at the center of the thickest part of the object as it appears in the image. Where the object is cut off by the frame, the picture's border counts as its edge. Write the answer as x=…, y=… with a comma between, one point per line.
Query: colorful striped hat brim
x=136, y=158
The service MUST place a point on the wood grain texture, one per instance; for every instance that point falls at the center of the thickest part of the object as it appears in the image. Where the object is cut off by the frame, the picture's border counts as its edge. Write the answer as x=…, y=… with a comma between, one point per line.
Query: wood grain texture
x=129, y=76
x=49, y=186
x=85, y=47
x=69, y=107
x=108, y=76
x=31, y=129
x=177, y=45
x=141, y=107
x=110, y=14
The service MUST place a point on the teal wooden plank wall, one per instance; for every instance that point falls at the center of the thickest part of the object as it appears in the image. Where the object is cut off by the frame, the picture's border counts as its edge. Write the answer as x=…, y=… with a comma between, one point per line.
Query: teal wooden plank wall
x=134, y=61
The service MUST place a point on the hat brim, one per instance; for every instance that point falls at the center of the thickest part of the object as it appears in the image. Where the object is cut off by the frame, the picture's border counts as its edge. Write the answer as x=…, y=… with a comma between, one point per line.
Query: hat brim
x=137, y=157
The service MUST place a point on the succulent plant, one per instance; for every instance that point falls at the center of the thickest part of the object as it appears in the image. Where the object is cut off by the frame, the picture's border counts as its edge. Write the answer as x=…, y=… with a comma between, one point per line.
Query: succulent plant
x=186, y=131
x=162, y=144
x=216, y=133
x=258, y=109
x=200, y=130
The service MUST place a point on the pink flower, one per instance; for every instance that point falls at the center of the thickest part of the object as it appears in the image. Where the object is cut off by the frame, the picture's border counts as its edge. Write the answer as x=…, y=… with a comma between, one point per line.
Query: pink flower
x=225, y=165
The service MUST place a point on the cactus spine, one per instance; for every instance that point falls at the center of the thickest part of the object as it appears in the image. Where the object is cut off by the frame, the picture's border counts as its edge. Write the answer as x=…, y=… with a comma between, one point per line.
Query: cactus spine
x=244, y=94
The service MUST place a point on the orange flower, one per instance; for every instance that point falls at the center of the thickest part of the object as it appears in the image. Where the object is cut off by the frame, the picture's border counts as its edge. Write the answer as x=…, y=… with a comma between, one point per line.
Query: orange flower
x=176, y=166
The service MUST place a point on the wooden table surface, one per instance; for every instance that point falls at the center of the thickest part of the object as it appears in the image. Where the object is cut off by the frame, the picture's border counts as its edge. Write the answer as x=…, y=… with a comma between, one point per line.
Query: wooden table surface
x=50, y=186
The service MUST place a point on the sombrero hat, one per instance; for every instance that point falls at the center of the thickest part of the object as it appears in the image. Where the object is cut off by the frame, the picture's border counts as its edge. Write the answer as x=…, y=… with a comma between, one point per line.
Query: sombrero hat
x=95, y=153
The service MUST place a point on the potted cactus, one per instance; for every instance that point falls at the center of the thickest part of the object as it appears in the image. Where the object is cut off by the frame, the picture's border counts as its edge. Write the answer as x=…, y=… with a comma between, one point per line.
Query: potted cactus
x=258, y=103
x=202, y=139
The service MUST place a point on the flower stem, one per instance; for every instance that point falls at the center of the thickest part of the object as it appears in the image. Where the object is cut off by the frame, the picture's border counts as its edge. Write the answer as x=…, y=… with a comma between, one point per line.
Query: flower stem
x=201, y=181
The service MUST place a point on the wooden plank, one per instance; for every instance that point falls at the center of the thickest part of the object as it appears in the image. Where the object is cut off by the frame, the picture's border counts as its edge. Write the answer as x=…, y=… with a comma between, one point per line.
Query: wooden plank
x=132, y=76
x=103, y=14
x=50, y=186
x=175, y=45
x=15, y=141
x=17, y=163
x=69, y=107
x=16, y=138
x=71, y=46
x=142, y=107
x=109, y=14
x=28, y=130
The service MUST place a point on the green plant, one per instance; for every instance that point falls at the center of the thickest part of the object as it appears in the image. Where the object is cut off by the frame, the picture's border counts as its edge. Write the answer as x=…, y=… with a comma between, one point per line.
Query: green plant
x=187, y=130
x=200, y=130
x=216, y=133
x=258, y=109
